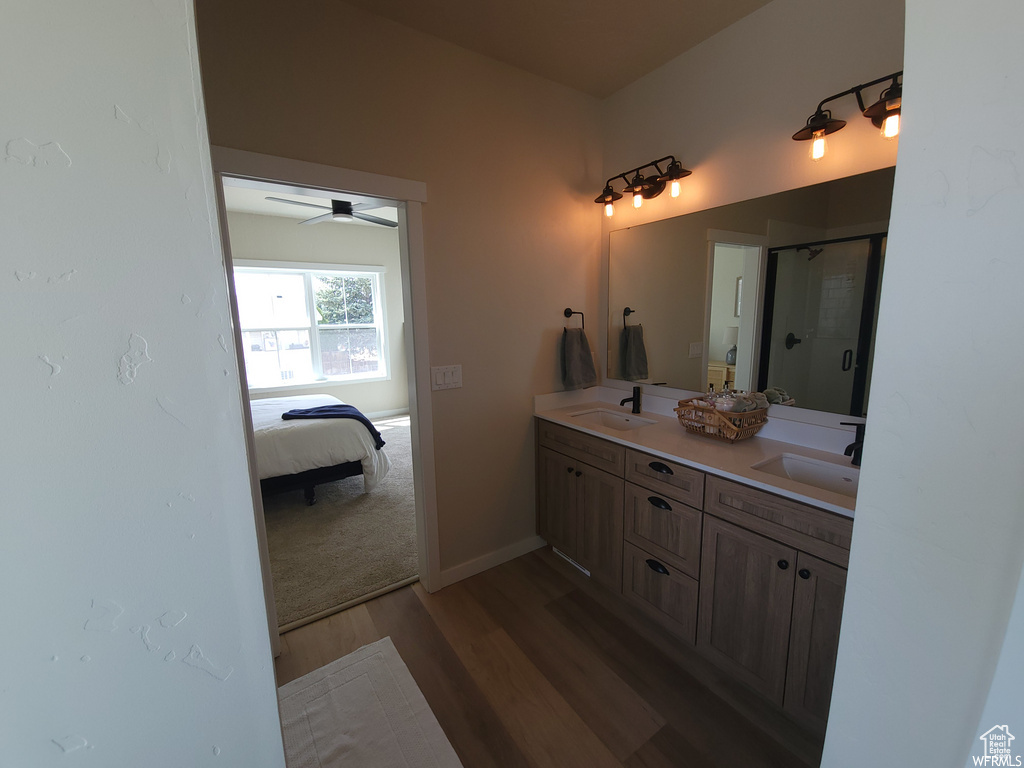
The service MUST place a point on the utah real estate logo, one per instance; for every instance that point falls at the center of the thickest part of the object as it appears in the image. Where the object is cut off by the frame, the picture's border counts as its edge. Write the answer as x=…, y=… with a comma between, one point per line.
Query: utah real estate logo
x=998, y=749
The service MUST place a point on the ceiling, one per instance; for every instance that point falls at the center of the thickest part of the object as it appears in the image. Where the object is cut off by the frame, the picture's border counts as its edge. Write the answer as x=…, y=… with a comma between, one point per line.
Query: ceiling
x=594, y=46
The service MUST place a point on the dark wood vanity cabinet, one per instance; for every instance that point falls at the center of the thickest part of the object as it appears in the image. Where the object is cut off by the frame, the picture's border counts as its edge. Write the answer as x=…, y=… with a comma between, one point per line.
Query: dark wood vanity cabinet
x=753, y=580
x=579, y=506
x=770, y=611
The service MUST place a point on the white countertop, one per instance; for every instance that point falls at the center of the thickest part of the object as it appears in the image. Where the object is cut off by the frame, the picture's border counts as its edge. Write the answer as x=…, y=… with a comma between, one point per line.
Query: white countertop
x=668, y=439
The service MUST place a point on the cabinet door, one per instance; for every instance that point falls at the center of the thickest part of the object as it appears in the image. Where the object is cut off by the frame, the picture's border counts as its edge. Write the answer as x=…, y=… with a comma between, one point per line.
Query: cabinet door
x=599, y=507
x=814, y=639
x=557, y=520
x=746, y=600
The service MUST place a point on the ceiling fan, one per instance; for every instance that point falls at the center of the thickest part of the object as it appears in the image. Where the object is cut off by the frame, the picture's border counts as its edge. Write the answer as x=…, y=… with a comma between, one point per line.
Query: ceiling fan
x=340, y=210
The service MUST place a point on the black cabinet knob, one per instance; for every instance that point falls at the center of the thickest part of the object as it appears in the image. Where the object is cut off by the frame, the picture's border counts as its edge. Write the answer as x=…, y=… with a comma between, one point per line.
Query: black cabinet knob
x=657, y=567
x=783, y=564
x=803, y=573
x=578, y=473
x=569, y=470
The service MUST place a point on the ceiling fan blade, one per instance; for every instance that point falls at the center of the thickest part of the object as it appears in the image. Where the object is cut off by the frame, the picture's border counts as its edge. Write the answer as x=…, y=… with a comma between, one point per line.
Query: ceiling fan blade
x=315, y=219
x=375, y=219
x=297, y=202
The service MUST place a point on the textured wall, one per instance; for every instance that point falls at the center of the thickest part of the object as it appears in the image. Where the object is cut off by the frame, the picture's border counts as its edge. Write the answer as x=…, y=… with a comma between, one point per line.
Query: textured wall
x=937, y=546
x=134, y=630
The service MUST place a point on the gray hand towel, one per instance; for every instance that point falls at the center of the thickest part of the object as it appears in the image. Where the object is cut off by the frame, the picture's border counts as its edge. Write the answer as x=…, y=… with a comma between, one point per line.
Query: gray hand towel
x=634, y=353
x=577, y=362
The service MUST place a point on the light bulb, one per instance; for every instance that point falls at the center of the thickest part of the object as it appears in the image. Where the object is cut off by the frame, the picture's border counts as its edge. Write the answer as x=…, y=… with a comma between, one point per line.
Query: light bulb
x=675, y=187
x=818, y=145
x=609, y=209
x=891, y=126
x=638, y=200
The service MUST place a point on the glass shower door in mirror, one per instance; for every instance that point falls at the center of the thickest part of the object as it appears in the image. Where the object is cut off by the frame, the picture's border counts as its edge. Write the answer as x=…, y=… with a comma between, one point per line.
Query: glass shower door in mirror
x=820, y=309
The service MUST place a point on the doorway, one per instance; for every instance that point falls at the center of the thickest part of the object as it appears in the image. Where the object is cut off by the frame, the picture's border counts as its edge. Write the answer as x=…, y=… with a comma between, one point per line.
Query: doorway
x=295, y=178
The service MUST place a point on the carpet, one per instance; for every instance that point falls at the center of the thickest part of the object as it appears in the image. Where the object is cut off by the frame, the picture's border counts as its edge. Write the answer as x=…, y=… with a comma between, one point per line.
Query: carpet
x=365, y=711
x=348, y=546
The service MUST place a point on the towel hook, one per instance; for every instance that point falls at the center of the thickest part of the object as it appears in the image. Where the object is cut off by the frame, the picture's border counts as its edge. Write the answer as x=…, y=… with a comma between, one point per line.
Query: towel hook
x=626, y=313
x=569, y=313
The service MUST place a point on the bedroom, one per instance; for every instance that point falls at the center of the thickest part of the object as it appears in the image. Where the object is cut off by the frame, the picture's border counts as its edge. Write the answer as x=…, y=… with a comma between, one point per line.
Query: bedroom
x=525, y=240
x=321, y=314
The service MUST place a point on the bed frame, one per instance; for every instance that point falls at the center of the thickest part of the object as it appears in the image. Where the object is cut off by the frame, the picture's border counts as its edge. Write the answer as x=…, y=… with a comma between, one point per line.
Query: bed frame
x=309, y=479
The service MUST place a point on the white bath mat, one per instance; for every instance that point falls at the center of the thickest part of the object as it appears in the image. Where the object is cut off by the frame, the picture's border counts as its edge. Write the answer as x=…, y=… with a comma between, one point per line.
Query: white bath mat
x=362, y=710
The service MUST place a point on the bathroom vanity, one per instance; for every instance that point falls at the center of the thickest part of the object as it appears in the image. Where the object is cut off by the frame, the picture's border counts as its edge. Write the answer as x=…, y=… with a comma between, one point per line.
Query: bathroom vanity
x=747, y=566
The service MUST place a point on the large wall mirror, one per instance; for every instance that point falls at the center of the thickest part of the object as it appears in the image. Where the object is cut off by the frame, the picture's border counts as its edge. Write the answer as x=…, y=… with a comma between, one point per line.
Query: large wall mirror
x=777, y=291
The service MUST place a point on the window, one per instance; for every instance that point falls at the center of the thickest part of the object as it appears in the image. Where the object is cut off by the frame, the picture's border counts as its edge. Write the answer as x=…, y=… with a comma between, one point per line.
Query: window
x=307, y=325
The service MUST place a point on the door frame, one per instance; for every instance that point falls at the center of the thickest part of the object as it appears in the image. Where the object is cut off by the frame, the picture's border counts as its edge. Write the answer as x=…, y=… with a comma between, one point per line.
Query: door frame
x=717, y=237
x=409, y=196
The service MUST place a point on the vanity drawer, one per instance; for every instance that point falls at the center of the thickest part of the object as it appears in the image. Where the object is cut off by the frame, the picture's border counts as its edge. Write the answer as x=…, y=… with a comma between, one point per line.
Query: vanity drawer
x=666, y=477
x=815, y=531
x=582, y=447
x=664, y=527
x=660, y=591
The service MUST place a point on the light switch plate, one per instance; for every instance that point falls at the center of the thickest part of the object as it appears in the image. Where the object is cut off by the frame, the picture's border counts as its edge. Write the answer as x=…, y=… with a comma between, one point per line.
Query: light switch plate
x=446, y=377
x=697, y=349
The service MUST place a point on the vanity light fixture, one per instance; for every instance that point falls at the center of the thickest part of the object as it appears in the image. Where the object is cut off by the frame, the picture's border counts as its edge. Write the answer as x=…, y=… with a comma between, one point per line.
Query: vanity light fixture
x=884, y=113
x=641, y=187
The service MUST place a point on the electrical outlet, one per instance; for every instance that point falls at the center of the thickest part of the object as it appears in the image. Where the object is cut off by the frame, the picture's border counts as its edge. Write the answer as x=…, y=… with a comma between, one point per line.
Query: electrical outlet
x=446, y=377
x=697, y=349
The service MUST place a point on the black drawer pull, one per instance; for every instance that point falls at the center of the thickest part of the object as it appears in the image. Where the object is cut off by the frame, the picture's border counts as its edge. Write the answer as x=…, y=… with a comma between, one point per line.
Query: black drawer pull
x=578, y=473
x=803, y=573
x=569, y=470
x=657, y=567
x=660, y=468
x=659, y=503
x=783, y=564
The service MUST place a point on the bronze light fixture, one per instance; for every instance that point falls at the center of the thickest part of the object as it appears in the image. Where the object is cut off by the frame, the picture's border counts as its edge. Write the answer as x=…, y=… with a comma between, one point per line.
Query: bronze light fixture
x=640, y=187
x=884, y=113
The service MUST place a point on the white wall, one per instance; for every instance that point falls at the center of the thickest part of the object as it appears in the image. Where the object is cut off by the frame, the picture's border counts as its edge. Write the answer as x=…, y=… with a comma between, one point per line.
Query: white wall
x=510, y=161
x=276, y=238
x=134, y=630
x=727, y=108
x=939, y=534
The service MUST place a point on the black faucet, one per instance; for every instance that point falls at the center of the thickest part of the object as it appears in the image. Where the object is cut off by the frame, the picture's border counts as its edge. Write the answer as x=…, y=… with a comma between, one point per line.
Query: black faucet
x=635, y=399
x=856, y=448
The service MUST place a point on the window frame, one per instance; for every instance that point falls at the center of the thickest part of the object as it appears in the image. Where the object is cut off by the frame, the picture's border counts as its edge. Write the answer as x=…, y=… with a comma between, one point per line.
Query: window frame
x=307, y=270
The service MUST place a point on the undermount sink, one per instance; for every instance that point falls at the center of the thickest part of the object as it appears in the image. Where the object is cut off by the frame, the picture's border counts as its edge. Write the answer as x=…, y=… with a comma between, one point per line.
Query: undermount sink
x=599, y=417
x=826, y=475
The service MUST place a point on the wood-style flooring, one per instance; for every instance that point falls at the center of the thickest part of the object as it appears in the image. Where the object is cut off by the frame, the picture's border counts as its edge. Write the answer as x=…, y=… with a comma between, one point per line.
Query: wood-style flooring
x=528, y=665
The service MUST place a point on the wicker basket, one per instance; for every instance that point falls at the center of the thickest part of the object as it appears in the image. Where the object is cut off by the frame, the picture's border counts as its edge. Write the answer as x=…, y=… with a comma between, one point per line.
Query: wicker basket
x=702, y=418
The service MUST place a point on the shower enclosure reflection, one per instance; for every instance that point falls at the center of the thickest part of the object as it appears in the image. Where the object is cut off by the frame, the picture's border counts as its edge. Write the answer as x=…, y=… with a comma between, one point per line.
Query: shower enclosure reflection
x=821, y=305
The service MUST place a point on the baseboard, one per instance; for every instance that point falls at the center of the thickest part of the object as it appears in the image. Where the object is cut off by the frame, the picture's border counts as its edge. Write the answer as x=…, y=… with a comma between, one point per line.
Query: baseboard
x=387, y=414
x=480, y=564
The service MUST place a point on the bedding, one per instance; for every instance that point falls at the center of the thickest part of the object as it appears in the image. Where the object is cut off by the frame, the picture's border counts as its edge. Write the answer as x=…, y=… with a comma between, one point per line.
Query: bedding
x=288, y=447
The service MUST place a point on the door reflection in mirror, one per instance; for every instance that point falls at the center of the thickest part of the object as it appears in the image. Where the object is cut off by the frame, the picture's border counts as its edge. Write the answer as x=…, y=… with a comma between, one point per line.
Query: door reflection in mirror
x=820, y=309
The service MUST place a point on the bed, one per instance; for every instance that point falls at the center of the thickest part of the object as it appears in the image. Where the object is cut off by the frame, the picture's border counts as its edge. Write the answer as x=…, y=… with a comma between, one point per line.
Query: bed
x=303, y=453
